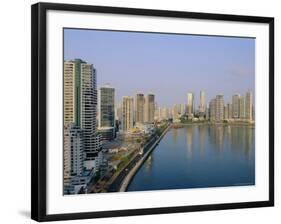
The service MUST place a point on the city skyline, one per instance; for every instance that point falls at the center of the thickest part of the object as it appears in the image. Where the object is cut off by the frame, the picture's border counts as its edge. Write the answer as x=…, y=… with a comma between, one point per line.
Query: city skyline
x=90, y=127
x=213, y=59
x=125, y=91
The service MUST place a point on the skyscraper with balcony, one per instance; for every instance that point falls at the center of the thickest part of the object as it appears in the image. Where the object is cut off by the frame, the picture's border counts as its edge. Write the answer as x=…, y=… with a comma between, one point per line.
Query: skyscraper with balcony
x=190, y=104
x=139, y=108
x=127, y=113
x=149, y=108
x=106, y=119
x=80, y=106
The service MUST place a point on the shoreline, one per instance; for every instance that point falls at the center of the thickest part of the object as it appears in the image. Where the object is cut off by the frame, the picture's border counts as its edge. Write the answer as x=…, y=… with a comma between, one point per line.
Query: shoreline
x=178, y=125
x=127, y=180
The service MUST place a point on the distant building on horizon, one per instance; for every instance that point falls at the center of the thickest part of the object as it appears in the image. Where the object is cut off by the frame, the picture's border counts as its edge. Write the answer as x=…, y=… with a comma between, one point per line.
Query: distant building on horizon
x=127, y=113
x=182, y=109
x=164, y=111
x=235, y=106
x=225, y=112
x=228, y=111
x=202, y=104
x=242, y=107
x=175, y=112
x=249, y=106
x=190, y=104
x=219, y=108
x=212, y=109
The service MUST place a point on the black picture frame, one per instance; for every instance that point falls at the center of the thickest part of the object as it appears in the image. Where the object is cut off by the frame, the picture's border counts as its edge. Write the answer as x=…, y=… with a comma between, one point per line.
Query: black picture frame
x=39, y=108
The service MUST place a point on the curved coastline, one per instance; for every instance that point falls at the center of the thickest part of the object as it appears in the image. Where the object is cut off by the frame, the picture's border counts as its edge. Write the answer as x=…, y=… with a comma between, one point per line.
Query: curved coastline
x=129, y=177
x=127, y=180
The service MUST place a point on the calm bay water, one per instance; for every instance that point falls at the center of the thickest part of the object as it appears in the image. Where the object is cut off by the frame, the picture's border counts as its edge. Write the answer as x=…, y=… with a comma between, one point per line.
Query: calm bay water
x=199, y=156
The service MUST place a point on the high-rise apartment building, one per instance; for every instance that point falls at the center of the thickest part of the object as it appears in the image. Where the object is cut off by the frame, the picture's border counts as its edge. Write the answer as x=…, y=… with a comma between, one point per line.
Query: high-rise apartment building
x=235, y=106
x=249, y=106
x=219, y=108
x=212, y=110
x=127, y=113
x=175, y=112
x=106, y=104
x=139, y=108
x=73, y=158
x=118, y=112
x=80, y=105
x=190, y=104
x=229, y=110
x=164, y=113
x=149, y=108
x=207, y=113
x=73, y=151
x=202, y=105
x=157, y=115
x=182, y=109
x=242, y=107
x=225, y=111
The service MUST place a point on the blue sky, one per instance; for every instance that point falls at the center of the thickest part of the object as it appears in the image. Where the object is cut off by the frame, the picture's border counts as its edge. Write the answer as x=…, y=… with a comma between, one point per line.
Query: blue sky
x=168, y=65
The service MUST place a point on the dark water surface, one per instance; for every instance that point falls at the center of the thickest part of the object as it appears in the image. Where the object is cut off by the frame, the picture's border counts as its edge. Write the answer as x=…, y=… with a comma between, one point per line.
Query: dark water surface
x=199, y=156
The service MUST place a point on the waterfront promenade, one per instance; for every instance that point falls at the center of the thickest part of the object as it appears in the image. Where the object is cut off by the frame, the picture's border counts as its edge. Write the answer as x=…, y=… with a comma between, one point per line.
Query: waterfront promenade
x=130, y=173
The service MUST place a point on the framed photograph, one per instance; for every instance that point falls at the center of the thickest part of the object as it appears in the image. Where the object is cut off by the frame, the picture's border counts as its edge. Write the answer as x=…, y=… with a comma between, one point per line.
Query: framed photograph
x=140, y=111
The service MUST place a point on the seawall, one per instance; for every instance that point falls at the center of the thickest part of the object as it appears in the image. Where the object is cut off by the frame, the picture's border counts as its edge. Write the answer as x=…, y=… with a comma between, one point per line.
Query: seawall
x=125, y=183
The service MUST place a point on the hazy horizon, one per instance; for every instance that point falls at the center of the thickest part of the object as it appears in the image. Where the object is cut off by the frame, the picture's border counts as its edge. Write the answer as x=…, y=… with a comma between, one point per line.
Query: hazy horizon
x=167, y=65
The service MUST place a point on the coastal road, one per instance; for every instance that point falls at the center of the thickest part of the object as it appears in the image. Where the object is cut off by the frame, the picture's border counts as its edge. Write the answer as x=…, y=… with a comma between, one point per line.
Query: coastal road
x=114, y=187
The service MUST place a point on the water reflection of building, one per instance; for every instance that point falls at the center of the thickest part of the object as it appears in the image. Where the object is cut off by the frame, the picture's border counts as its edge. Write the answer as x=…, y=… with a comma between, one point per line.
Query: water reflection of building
x=249, y=141
x=202, y=129
x=148, y=163
x=217, y=137
x=242, y=140
x=189, y=139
